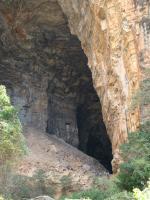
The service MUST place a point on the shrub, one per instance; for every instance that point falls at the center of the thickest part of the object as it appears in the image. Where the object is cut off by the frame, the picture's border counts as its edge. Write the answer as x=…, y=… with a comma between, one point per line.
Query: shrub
x=142, y=195
x=21, y=187
x=12, y=143
x=30, y=187
x=93, y=194
x=40, y=181
x=103, y=187
x=121, y=196
x=66, y=183
x=97, y=194
x=135, y=171
x=2, y=198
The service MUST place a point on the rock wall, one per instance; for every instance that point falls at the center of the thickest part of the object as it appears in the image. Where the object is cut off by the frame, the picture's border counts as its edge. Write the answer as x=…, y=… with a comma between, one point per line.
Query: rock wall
x=46, y=74
x=42, y=65
x=142, y=8
x=114, y=35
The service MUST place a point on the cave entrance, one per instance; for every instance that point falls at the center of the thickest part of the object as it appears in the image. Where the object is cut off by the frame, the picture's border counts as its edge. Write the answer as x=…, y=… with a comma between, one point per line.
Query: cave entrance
x=74, y=109
x=50, y=82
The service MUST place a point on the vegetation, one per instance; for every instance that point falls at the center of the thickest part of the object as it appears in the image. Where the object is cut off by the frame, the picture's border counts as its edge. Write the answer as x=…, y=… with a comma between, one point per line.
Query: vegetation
x=133, y=176
x=12, y=143
x=135, y=171
x=12, y=148
x=142, y=195
x=66, y=183
x=7, y=2
x=103, y=189
x=29, y=187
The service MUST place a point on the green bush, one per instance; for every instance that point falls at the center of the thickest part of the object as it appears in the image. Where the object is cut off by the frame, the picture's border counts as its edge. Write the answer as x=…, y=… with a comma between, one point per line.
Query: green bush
x=121, y=196
x=2, y=198
x=66, y=183
x=40, y=183
x=142, y=195
x=30, y=187
x=97, y=194
x=12, y=143
x=20, y=187
x=93, y=194
x=135, y=171
x=103, y=188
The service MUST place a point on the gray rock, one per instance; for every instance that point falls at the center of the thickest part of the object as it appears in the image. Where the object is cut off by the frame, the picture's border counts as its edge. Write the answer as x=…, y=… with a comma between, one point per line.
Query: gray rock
x=43, y=198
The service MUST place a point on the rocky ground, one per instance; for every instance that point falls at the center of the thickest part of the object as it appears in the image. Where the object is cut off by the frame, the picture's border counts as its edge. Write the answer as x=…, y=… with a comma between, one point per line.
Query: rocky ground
x=58, y=159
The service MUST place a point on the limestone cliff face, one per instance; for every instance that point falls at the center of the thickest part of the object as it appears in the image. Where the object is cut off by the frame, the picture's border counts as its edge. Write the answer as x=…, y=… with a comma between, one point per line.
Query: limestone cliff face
x=114, y=35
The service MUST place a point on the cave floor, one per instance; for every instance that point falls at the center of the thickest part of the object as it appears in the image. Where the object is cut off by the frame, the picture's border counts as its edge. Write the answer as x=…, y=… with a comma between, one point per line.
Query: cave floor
x=58, y=159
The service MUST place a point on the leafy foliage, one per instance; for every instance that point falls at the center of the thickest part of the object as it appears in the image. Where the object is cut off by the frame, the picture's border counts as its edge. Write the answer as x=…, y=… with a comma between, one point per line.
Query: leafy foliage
x=2, y=198
x=66, y=183
x=12, y=143
x=135, y=171
x=93, y=193
x=103, y=189
x=7, y=2
x=142, y=195
x=30, y=187
x=97, y=194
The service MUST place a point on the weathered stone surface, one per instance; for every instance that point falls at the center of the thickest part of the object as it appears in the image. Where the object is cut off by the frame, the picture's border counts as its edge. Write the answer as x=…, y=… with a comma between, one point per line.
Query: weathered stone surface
x=113, y=35
x=45, y=71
